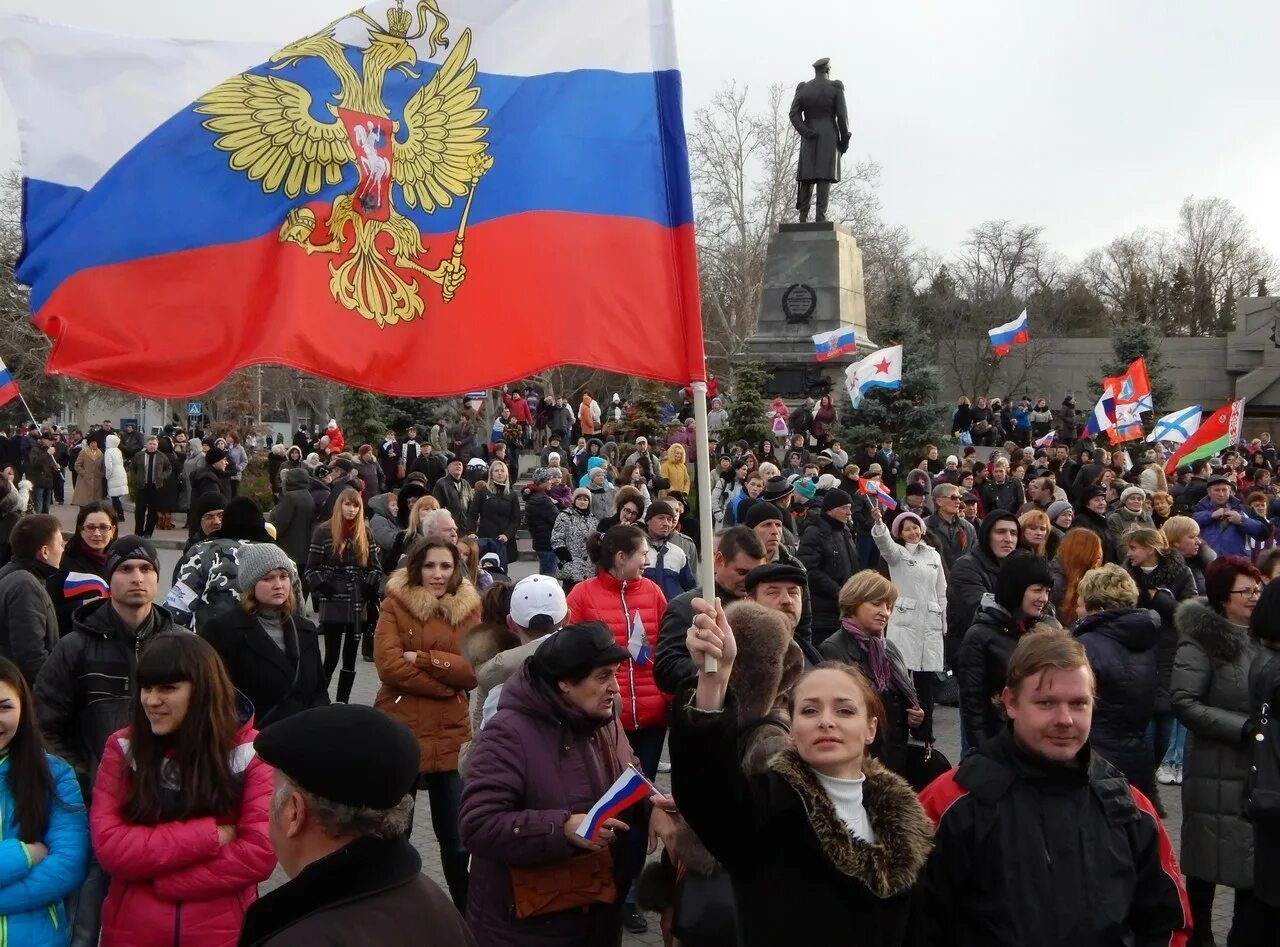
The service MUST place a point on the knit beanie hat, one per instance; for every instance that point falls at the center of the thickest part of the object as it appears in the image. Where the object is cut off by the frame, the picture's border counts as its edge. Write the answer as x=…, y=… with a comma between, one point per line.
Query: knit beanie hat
x=659, y=508
x=1056, y=509
x=242, y=519
x=130, y=547
x=1132, y=492
x=213, y=455
x=257, y=559
x=763, y=513
x=541, y=475
x=1018, y=572
x=835, y=498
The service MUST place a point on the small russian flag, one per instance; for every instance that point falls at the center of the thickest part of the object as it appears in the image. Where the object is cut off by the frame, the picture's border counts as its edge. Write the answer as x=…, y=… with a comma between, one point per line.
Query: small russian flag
x=1046, y=440
x=85, y=585
x=638, y=643
x=1008, y=335
x=628, y=789
x=874, y=488
x=829, y=345
x=8, y=387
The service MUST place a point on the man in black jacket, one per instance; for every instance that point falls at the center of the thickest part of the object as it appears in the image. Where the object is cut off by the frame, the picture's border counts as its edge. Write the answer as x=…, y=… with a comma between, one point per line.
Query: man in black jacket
x=28, y=622
x=1001, y=491
x=738, y=550
x=455, y=495
x=82, y=693
x=1039, y=840
x=830, y=556
x=974, y=574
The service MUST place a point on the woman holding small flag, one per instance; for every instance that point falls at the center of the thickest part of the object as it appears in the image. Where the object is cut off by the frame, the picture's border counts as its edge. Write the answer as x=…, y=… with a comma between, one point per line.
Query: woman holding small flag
x=546, y=870
x=826, y=846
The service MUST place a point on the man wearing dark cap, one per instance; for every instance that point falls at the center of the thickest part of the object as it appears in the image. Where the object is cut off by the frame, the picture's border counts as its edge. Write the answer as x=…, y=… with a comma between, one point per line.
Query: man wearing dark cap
x=339, y=815
x=667, y=564
x=342, y=474
x=765, y=521
x=455, y=494
x=82, y=693
x=738, y=550
x=1226, y=525
x=829, y=553
x=784, y=588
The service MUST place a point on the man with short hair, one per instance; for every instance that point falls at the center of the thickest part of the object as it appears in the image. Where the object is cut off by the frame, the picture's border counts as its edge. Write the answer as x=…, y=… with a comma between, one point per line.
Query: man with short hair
x=765, y=520
x=455, y=495
x=83, y=691
x=341, y=835
x=830, y=556
x=28, y=621
x=1038, y=839
x=130, y=441
x=955, y=534
x=342, y=475
x=1039, y=495
x=737, y=551
x=1001, y=491
x=1197, y=487
x=149, y=471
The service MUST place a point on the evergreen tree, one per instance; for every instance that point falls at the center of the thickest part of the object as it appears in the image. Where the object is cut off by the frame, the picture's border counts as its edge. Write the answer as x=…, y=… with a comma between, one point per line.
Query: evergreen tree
x=747, y=421
x=651, y=397
x=1179, y=302
x=422, y=412
x=1262, y=287
x=913, y=415
x=1133, y=338
x=1227, y=311
x=362, y=419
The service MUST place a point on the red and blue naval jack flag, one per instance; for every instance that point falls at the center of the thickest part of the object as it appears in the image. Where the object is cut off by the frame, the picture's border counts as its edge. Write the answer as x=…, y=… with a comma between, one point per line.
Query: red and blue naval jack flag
x=415, y=198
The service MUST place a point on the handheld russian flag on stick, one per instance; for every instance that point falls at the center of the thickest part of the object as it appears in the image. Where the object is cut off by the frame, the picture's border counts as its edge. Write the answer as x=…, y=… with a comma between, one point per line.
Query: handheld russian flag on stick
x=1047, y=440
x=874, y=488
x=829, y=345
x=8, y=387
x=1008, y=335
x=628, y=789
x=1103, y=417
x=85, y=585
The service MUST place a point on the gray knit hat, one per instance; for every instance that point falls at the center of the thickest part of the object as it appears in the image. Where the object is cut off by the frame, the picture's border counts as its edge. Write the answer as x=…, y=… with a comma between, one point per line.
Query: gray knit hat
x=257, y=559
x=1057, y=508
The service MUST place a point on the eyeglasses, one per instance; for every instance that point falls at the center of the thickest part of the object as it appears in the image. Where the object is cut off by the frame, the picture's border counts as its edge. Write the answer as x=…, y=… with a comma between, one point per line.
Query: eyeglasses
x=89, y=528
x=1253, y=592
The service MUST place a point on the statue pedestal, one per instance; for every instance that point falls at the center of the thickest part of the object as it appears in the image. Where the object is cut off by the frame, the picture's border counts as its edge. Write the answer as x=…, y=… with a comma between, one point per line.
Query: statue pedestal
x=812, y=284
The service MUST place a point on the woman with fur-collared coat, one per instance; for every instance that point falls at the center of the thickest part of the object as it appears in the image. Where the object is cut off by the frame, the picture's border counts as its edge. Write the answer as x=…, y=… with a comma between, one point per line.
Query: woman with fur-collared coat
x=826, y=846
x=1210, y=694
x=417, y=649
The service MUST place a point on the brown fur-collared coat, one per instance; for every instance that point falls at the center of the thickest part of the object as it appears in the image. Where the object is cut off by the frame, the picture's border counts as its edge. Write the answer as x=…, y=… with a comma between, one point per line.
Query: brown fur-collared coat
x=430, y=695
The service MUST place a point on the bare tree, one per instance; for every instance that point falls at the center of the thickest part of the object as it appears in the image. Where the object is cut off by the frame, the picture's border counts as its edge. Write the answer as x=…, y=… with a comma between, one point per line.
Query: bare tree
x=1217, y=244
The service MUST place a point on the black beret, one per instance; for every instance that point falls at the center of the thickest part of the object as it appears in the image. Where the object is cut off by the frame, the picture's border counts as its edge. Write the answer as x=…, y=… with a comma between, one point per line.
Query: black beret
x=762, y=513
x=776, y=572
x=346, y=753
x=576, y=650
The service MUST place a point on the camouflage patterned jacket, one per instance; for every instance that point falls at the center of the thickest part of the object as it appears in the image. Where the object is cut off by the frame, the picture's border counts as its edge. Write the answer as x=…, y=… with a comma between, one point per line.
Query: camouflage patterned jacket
x=208, y=582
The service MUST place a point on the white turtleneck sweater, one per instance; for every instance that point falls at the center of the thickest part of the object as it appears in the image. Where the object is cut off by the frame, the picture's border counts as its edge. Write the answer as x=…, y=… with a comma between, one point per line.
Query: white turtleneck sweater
x=846, y=796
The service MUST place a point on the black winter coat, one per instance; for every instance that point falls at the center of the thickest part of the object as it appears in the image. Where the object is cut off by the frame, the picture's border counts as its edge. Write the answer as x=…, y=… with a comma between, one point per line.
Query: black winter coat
x=496, y=512
x=1027, y=852
x=277, y=683
x=293, y=517
x=1161, y=590
x=799, y=876
x=830, y=555
x=982, y=665
x=540, y=512
x=1087, y=519
x=1264, y=687
x=1122, y=645
x=204, y=479
x=973, y=576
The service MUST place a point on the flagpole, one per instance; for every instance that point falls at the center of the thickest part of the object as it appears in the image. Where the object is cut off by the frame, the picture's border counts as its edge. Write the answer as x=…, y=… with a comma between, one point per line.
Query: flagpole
x=706, y=565
x=28, y=409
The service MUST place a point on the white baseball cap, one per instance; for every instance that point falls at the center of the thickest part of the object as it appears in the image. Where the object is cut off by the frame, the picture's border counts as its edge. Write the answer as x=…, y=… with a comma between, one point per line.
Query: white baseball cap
x=537, y=602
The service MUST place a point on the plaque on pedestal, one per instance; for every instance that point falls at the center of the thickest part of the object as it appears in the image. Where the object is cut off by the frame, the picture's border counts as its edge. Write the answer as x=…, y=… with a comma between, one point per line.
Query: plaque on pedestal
x=812, y=284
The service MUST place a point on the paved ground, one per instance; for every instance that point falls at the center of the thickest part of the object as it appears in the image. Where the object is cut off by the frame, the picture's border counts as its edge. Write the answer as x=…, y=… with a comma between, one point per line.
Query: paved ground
x=946, y=725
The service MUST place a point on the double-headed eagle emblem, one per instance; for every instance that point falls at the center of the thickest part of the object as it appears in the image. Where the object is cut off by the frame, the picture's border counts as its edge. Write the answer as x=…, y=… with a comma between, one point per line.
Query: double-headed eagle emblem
x=267, y=124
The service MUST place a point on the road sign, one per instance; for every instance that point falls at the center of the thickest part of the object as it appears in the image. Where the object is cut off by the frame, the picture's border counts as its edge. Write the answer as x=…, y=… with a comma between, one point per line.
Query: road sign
x=193, y=409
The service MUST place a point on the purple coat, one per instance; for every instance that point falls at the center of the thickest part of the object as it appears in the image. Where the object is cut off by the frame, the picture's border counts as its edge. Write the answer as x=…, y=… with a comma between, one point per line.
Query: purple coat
x=534, y=764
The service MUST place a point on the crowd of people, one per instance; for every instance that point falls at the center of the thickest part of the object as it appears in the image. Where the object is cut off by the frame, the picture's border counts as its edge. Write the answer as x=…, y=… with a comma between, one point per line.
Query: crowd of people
x=1103, y=629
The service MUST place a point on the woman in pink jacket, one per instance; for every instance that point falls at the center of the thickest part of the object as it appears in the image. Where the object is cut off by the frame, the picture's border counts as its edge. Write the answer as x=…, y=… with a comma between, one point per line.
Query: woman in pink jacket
x=180, y=806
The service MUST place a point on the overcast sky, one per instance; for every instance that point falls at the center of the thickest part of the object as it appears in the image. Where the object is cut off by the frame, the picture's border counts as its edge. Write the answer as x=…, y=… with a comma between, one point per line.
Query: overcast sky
x=1091, y=118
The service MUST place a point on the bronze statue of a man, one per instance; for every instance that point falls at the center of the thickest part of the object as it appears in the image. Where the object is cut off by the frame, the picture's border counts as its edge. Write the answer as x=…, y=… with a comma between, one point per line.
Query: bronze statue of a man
x=818, y=113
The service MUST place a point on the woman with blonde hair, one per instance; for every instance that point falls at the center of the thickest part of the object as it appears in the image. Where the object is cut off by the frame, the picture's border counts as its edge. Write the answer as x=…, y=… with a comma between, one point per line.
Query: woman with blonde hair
x=1161, y=507
x=1079, y=551
x=675, y=470
x=469, y=550
x=866, y=602
x=1183, y=536
x=1034, y=533
x=496, y=513
x=344, y=570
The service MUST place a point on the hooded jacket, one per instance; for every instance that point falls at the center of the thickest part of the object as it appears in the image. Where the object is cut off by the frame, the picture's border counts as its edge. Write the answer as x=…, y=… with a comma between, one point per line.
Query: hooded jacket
x=972, y=577
x=1122, y=645
x=384, y=529
x=113, y=468
x=293, y=514
x=82, y=693
x=428, y=696
x=629, y=608
x=173, y=883
x=1027, y=852
x=1210, y=694
x=799, y=876
x=538, y=761
x=830, y=556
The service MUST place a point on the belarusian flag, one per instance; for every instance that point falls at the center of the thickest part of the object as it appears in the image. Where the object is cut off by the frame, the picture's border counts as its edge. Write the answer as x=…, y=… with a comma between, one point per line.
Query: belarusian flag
x=1216, y=433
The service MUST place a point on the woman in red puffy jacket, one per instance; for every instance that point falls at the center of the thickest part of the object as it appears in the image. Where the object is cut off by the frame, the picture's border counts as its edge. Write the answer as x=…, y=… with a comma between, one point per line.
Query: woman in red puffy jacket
x=180, y=805
x=632, y=607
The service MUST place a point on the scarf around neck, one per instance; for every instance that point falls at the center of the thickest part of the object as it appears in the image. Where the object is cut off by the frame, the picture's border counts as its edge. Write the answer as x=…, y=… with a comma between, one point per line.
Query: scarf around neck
x=885, y=674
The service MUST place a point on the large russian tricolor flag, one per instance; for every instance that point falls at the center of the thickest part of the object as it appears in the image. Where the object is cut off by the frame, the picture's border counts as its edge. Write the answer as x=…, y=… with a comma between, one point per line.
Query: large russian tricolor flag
x=1008, y=335
x=8, y=387
x=417, y=198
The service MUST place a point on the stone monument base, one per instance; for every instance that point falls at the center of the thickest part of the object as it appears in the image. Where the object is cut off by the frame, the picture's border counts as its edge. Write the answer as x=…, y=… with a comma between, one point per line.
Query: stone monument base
x=812, y=284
